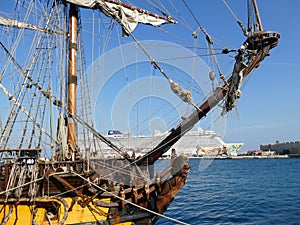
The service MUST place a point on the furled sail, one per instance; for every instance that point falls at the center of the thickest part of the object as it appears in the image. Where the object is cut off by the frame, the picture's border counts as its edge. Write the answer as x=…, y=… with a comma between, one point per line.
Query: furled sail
x=127, y=15
x=21, y=25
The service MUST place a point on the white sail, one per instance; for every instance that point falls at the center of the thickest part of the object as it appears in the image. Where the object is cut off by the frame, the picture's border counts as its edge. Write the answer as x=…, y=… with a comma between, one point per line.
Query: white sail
x=128, y=16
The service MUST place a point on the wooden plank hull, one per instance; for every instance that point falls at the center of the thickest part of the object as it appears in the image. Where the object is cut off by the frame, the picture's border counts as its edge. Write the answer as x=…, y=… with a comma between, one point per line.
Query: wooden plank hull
x=60, y=196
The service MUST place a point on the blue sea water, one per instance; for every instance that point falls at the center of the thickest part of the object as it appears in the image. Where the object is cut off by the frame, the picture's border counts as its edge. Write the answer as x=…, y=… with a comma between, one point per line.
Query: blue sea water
x=248, y=191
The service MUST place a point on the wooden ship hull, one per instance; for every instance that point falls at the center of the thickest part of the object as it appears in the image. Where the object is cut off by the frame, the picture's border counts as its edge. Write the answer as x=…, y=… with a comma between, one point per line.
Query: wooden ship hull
x=62, y=193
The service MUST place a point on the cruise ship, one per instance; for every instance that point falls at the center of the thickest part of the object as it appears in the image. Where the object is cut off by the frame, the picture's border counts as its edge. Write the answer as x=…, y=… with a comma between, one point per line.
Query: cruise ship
x=193, y=143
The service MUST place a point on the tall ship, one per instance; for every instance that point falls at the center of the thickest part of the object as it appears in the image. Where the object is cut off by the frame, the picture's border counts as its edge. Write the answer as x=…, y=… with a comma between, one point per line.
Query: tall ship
x=53, y=105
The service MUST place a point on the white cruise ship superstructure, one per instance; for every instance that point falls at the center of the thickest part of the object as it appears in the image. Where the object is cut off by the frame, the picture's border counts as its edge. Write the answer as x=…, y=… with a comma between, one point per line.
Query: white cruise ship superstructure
x=193, y=143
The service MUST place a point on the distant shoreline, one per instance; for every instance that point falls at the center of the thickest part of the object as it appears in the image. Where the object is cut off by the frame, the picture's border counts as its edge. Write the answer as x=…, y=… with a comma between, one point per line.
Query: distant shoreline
x=245, y=157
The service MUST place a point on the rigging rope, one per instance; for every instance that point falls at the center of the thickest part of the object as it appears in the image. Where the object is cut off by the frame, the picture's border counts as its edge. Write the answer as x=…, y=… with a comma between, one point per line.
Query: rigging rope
x=121, y=170
x=18, y=104
x=237, y=20
x=122, y=199
x=55, y=101
x=182, y=18
x=209, y=40
x=14, y=188
x=183, y=94
x=158, y=8
x=17, y=41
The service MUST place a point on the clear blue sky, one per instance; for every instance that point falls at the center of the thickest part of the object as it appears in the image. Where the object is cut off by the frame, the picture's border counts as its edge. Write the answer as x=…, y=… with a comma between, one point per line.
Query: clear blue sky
x=269, y=108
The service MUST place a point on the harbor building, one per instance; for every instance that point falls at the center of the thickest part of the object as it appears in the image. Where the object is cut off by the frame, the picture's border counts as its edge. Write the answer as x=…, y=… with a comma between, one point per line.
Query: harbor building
x=292, y=149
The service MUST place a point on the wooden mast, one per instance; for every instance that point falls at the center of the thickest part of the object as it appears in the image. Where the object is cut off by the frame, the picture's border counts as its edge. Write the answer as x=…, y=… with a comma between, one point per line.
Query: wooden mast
x=72, y=81
x=260, y=28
